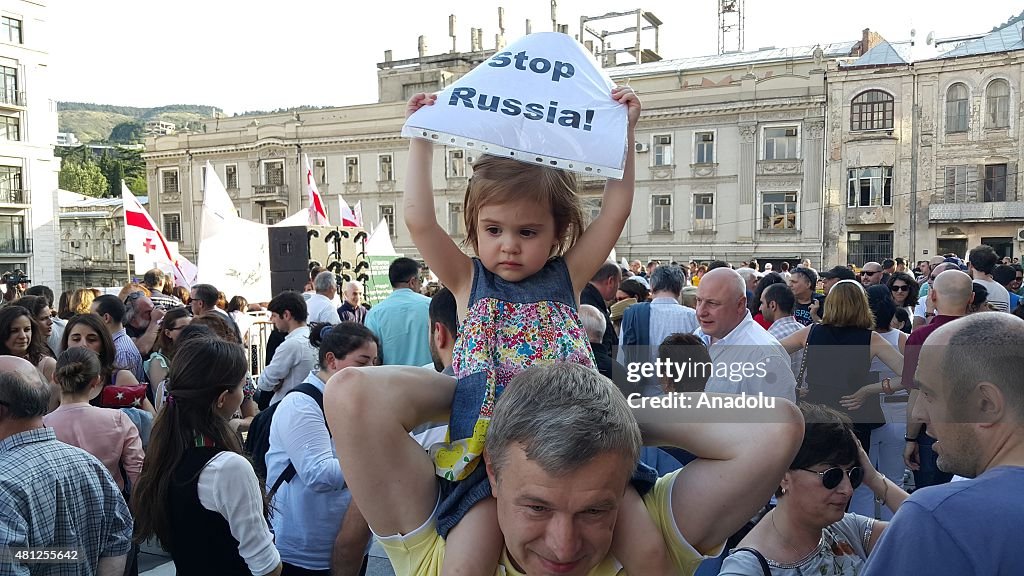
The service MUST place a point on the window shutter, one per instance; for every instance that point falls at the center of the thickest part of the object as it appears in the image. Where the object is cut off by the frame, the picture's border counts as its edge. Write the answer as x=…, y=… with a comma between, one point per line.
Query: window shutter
x=950, y=187
x=975, y=182
x=1011, y=182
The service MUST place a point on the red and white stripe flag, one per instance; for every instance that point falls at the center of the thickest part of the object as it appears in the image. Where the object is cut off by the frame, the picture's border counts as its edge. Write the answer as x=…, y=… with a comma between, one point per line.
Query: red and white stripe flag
x=358, y=212
x=144, y=241
x=348, y=217
x=317, y=210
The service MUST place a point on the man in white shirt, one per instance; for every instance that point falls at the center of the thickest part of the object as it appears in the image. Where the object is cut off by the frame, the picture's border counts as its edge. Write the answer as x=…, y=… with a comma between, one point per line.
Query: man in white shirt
x=745, y=357
x=320, y=305
x=295, y=357
x=981, y=262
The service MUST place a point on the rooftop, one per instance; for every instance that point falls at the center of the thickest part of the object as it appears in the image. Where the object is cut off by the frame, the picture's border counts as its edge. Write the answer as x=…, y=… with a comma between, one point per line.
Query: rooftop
x=1003, y=39
x=833, y=50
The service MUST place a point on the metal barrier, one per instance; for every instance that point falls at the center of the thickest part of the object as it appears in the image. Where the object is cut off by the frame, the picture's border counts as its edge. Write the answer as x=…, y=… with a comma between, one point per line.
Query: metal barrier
x=256, y=344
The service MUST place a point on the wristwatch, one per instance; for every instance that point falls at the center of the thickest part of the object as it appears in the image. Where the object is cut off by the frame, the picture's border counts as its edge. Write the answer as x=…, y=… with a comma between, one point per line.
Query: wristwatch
x=909, y=439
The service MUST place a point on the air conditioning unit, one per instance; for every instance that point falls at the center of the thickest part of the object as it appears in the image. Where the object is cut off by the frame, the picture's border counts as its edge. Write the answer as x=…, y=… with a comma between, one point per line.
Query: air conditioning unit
x=1020, y=235
x=641, y=147
x=790, y=132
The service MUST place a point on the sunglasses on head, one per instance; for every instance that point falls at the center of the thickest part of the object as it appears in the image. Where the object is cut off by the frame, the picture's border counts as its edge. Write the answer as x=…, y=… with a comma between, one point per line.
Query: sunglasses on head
x=899, y=288
x=833, y=477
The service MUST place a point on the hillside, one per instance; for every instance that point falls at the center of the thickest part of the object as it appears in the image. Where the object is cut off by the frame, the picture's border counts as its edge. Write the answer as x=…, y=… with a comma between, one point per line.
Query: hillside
x=94, y=122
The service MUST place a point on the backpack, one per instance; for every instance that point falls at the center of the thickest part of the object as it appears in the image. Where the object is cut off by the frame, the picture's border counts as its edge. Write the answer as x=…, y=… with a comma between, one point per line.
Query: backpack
x=257, y=442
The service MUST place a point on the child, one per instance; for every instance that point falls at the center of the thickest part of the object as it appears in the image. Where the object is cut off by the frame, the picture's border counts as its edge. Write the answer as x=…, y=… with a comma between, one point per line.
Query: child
x=518, y=306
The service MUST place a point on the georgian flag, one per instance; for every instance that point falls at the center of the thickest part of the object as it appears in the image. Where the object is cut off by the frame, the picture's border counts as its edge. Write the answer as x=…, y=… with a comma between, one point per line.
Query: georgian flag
x=348, y=217
x=144, y=240
x=317, y=211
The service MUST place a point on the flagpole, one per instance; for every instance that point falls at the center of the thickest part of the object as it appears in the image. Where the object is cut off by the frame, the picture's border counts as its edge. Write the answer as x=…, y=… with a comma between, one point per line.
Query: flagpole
x=124, y=241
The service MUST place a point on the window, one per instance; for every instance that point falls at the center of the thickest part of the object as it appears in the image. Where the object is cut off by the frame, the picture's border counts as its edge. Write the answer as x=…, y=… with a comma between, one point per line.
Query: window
x=273, y=173
x=456, y=221
x=704, y=148
x=320, y=170
x=661, y=213
x=869, y=246
x=591, y=208
x=351, y=169
x=272, y=216
x=9, y=85
x=872, y=110
x=780, y=143
x=870, y=187
x=703, y=212
x=10, y=128
x=997, y=104
x=169, y=180
x=387, y=212
x=10, y=185
x=955, y=189
x=662, y=150
x=995, y=183
x=202, y=179
x=231, y=176
x=385, y=168
x=172, y=226
x=10, y=30
x=12, y=234
x=956, y=109
x=778, y=211
x=456, y=164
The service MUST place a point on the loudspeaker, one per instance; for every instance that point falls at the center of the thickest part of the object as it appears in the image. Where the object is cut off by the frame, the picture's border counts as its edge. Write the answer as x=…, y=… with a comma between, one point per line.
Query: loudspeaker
x=284, y=281
x=294, y=248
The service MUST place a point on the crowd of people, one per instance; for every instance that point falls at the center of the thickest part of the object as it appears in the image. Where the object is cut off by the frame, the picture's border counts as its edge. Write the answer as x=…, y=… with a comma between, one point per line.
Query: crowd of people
x=515, y=420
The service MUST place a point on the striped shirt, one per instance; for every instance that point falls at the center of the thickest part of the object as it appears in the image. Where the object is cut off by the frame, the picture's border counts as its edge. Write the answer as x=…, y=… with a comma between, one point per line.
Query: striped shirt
x=53, y=495
x=126, y=355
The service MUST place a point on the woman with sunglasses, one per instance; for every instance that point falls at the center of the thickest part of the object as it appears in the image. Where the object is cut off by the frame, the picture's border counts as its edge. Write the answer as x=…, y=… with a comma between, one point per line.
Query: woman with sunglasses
x=905, y=293
x=809, y=531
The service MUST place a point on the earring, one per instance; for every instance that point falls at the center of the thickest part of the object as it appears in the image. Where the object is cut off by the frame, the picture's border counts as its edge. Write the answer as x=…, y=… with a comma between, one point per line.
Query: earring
x=784, y=491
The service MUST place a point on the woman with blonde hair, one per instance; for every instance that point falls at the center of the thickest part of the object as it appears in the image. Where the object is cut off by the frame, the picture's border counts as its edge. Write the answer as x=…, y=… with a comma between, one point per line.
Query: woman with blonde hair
x=81, y=301
x=838, y=353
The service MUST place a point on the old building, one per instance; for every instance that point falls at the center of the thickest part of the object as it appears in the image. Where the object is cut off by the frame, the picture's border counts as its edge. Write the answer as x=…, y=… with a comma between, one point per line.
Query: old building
x=730, y=153
x=923, y=149
x=92, y=241
x=28, y=131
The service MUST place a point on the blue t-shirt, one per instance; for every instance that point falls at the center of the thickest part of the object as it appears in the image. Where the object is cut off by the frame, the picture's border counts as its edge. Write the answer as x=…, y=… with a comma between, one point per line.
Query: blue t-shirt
x=962, y=528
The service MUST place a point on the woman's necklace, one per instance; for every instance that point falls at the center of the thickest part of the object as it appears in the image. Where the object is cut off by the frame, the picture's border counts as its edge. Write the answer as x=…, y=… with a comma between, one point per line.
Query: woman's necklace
x=785, y=542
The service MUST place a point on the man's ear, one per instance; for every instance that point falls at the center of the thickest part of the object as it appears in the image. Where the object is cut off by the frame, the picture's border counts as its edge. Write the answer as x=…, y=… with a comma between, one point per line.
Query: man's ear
x=492, y=476
x=443, y=338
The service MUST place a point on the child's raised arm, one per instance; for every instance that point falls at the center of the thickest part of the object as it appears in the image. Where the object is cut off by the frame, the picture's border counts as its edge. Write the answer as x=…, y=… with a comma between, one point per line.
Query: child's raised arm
x=439, y=251
x=592, y=249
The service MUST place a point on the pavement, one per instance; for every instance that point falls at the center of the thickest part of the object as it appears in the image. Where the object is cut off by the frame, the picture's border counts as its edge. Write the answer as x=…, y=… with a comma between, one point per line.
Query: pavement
x=154, y=561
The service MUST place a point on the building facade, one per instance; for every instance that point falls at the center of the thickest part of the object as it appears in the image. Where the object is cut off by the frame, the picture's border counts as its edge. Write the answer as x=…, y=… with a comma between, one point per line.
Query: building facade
x=28, y=132
x=92, y=241
x=923, y=152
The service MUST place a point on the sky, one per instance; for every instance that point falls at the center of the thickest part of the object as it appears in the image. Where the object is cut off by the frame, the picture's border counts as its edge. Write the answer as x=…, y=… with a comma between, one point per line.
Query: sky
x=262, y=55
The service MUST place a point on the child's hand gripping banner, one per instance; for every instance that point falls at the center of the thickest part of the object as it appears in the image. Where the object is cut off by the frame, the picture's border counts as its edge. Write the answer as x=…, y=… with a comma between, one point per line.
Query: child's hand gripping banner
x=542, y=100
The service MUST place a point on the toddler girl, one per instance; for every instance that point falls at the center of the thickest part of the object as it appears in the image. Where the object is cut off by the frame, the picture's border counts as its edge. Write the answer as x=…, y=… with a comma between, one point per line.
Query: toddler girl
x=517, y=304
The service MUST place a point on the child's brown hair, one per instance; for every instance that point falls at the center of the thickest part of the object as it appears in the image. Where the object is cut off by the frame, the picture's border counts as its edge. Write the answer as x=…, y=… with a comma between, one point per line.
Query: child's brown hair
x=498, y=181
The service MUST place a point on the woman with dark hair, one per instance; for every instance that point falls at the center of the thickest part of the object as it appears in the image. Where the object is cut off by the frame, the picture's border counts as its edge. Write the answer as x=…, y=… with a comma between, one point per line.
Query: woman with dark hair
x=237, y=308
x=810, y=532
x=39, y=307
x=226, y=332
x=631, y=288
x=21, y=336
x=181, y=293
x=755, y=303
x=159, y=362
x=198, y=494
x=904, y=289
x=64, y=306
x=120, y=387
x=308, y=507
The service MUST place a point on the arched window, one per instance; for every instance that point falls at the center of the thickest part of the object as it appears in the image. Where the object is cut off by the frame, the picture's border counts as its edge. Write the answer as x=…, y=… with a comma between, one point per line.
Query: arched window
x=997, y=104
x=872, y=110
x=956, y=109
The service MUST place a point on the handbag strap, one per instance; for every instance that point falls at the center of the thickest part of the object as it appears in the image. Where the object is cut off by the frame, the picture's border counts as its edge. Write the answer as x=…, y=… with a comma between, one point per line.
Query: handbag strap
x=803, y=360
x=760, y=559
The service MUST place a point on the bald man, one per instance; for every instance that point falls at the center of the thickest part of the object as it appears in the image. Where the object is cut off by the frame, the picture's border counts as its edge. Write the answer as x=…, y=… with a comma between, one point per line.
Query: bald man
x=53, y=495
x=970, y=371
x=745, y=357
x=925, y=309
x=950, y=295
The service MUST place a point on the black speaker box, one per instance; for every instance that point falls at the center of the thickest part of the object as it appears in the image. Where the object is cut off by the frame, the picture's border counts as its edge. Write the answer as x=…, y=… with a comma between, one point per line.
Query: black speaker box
x=284, y=281
x=294, y=248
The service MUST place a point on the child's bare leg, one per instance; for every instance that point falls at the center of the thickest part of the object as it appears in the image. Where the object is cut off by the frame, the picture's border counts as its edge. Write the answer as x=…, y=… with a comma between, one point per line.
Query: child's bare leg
x=637, y=542
x=473, y=546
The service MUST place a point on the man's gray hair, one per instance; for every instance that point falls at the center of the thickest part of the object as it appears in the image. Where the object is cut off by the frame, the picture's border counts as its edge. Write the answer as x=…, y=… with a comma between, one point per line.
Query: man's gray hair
x=985, y=347
x=25, y=396
x=593, y=322
x=324, y=281
x=563, y=415
x=668, y=279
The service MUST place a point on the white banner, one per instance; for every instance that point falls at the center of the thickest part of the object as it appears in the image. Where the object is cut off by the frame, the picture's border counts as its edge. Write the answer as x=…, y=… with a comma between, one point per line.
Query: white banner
x=542, y=100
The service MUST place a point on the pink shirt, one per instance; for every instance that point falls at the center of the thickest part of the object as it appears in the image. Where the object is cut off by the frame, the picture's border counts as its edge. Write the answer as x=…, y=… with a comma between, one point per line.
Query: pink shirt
x=106, y=433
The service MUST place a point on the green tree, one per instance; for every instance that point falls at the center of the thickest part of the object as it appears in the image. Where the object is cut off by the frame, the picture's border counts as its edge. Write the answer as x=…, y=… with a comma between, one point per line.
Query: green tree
x=83, y=178
x=126, y=133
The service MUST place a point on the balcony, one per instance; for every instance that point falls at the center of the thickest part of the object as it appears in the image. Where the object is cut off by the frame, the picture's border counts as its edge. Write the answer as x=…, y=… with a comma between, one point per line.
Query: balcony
x=975, y=211
x=12, y=98
x=12, y=196
x=270, y=193
x=870, y=215
x=16, y=246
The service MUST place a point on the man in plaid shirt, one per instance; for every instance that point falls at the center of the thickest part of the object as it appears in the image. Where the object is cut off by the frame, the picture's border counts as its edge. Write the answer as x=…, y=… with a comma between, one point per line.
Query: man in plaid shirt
x=52, y=495
x=777, y=302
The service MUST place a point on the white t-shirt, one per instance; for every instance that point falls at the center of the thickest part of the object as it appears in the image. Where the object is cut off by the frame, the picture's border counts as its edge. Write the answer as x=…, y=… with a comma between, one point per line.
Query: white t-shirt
x=998, y=297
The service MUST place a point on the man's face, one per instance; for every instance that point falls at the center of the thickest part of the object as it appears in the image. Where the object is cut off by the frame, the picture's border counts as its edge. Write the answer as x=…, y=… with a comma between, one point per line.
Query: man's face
x=719, y=309
x=143, y=309
x=871, y=274
x=196, y=305
x=281, y=322
x=828, y=283
x=800, y=286
x=767, y=310
x=635, y=266
x=1015, y=284
x=558, y=525
x=956, y=443
x=354, y=294
x=608, y=287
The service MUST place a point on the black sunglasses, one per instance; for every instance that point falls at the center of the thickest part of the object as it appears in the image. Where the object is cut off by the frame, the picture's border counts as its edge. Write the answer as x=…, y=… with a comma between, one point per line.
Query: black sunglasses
x=832, y=477
x=867, y=273
x=903, y=288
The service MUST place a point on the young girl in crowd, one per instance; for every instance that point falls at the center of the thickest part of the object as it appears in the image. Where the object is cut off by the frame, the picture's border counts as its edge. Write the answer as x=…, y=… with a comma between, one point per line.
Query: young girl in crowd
x=198, y=494
x=517, y=304
x=120, y=387
x=109, y=435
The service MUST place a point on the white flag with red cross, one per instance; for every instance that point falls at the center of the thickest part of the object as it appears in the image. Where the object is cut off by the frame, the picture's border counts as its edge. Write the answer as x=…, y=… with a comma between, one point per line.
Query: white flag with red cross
x=144, y=241
x=317, y=210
